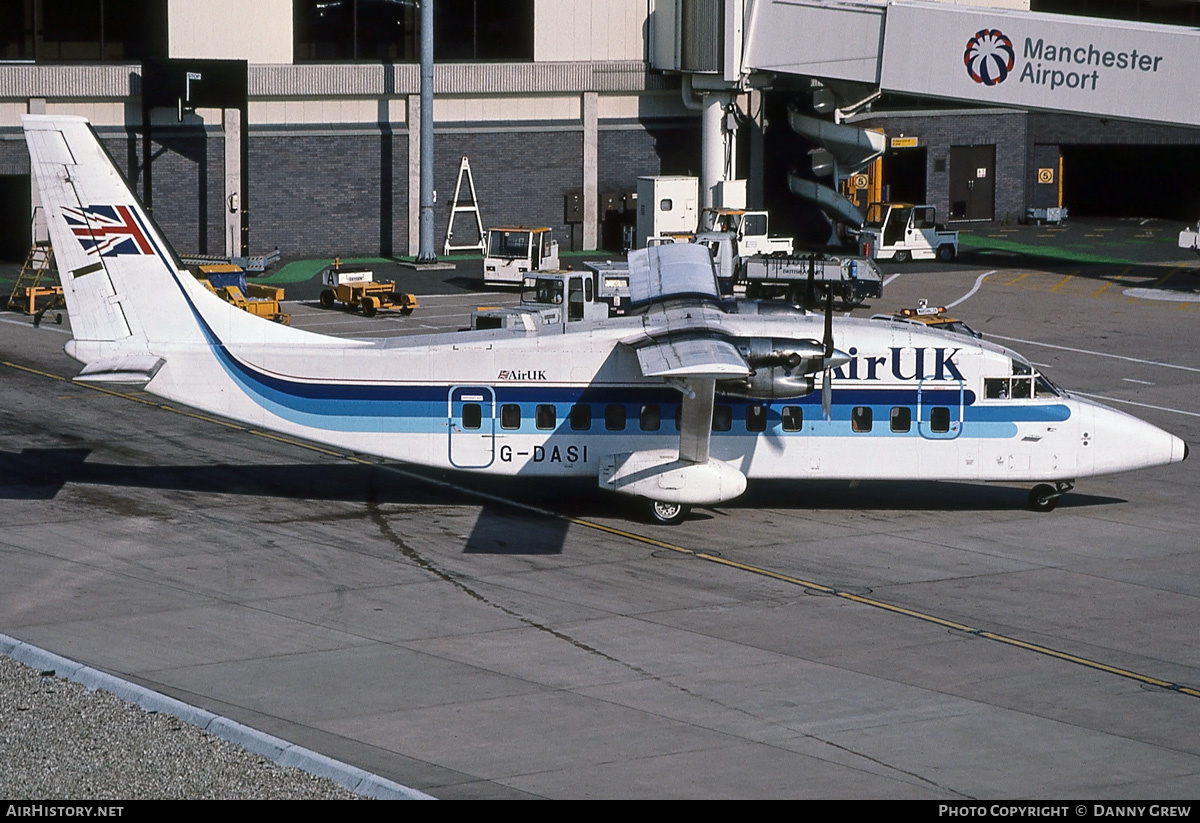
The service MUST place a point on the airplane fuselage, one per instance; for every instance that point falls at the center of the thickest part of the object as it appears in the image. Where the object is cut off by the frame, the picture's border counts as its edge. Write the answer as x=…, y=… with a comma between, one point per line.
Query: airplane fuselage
x=910, y=404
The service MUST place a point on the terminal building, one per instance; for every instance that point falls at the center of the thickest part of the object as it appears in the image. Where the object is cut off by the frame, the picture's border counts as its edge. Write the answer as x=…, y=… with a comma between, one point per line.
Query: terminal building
x=561, y=105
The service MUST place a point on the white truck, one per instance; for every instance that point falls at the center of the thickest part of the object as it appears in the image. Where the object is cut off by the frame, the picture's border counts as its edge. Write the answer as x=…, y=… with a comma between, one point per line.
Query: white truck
x=514, y=251
x=1190, y=239
x=902, y=232
x=749, y=229
x=559, y=297
x=851, y=279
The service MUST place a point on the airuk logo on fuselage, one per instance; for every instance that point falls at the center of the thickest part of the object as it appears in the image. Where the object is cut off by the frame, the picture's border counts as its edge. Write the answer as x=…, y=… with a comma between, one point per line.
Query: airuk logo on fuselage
x=902, y=363
x=522, y=374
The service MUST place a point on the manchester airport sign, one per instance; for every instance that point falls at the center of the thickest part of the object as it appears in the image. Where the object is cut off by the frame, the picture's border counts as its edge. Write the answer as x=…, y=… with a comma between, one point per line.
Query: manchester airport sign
x=1043, y=61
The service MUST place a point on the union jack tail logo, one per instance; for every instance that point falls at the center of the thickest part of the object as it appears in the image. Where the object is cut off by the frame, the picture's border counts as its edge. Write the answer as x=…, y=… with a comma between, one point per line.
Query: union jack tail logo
x=108, y=231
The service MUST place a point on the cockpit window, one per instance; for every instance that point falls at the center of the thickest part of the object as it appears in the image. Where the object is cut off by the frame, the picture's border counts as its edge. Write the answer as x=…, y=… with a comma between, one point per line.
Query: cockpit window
x=1044, y=388
x=1023, y=385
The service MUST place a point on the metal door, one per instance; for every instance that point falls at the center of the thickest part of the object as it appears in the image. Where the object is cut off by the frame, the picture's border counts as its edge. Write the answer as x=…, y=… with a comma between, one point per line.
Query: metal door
x=972, y=182
x=472, y=426
x=938, y=419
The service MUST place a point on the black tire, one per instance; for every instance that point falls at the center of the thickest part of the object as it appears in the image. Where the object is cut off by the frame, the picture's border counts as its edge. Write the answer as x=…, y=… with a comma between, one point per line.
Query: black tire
x=327, y=299
x=668, y=514
x=406, y=311
x=1043, y=498
x=945, y=253
x=901, y=256
x=369, y=307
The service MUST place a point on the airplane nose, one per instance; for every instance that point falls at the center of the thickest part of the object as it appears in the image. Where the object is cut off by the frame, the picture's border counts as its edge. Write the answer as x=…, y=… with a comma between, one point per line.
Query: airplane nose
x=1125, y=442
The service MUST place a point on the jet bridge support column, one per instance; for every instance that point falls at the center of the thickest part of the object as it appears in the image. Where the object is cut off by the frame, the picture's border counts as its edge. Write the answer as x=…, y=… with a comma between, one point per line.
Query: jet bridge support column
x=717, y=145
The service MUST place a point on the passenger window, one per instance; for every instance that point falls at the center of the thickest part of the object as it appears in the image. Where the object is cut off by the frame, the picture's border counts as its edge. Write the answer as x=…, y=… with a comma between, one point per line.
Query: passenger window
x=650, y=418
x=722, y=418
x=472, y=416
x=793, y=418
x=860, y=419
x=510, y=416
x=901, y=418
x=581, y=417
x=756, y=418
x=547, y=416
x=614, y=417
x=939, y=419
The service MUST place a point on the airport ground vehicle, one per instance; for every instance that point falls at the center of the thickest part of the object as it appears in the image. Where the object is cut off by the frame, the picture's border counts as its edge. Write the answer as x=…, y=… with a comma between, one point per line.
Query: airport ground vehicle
x=514, y=251
x=1190, y=239
x=933, y=317
x=902, y=232
x=356, y=287
x=228, y=281
x=584, y=399
x=552, y=297
x=850, y=280
x=749, y=230
x=805, y=279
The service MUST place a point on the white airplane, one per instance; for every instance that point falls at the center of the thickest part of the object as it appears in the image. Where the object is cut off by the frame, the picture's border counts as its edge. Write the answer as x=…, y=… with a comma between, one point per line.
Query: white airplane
x=679, y=405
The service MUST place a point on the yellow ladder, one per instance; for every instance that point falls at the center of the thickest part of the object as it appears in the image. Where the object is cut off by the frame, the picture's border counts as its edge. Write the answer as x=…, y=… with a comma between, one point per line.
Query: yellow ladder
x=28, y=288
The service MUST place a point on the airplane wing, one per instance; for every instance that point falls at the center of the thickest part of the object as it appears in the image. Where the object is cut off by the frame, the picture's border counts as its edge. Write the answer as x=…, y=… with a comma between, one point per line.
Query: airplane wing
x=685, y=345
x=691, y=357
x=672, y=270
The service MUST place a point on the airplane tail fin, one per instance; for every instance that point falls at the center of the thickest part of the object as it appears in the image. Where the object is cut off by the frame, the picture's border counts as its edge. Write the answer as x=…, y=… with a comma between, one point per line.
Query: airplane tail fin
x=124, y=287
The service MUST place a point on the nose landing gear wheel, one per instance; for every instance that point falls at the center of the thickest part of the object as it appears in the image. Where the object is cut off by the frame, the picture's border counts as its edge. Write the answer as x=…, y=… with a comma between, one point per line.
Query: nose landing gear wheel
x=1042, y=498
x=668, y=514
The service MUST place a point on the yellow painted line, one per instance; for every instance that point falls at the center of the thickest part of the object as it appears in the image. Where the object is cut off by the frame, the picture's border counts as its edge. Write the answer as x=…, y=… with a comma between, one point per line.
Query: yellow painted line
x=1018, y=278
x=1171, y=273
x=894, y=609
x=1101, y=290
x=1063, y=282
x=662, y=544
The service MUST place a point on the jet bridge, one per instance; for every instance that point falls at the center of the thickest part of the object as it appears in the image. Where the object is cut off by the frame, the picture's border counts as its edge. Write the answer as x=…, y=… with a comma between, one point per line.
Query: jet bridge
x=991, y=56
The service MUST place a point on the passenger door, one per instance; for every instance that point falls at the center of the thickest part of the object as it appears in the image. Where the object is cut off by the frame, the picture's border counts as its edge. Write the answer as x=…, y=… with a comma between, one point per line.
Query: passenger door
x=472, y=425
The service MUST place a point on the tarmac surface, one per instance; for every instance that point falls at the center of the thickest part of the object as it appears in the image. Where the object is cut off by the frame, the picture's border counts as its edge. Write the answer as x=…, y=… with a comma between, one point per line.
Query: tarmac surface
x=474, y=638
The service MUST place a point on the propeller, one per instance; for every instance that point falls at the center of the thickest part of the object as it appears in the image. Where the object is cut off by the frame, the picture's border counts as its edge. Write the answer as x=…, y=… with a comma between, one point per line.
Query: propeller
x=827, y=377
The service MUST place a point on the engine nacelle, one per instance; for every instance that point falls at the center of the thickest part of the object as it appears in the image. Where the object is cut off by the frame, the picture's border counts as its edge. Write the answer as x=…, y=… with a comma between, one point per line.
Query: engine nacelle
x=781, y=368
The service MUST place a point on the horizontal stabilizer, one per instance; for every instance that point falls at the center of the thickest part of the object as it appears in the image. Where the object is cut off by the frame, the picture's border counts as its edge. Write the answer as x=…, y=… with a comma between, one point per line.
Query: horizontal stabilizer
x=133, y=370
x=659, y=475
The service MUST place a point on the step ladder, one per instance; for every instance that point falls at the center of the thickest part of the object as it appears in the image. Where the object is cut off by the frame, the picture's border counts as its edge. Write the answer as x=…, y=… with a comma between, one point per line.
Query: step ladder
x=464, y=170
x=38, y=267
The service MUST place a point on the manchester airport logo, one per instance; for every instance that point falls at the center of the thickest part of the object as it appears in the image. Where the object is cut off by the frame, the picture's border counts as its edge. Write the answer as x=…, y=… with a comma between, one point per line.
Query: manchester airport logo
x=989, y=57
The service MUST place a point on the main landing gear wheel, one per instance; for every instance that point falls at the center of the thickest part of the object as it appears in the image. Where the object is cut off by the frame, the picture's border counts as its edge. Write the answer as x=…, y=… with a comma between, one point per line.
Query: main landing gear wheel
x=901, y=256
x=668, y=514
x=327, y=299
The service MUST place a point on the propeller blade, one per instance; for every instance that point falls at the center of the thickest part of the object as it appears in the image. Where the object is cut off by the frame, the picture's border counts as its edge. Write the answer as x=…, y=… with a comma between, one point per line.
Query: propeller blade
x=829, y=323
x=827, y=394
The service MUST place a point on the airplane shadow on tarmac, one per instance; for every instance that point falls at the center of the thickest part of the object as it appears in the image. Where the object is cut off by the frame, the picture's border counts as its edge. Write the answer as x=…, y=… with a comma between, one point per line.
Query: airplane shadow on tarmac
x=501, y=528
